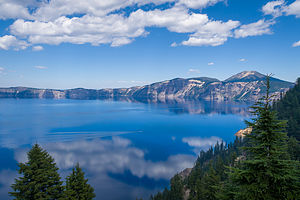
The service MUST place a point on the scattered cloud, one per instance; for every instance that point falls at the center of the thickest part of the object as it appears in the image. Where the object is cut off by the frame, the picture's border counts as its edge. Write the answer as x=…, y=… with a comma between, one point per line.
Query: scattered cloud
x=194, y=71
x=103, y=22
x=118, y=30
x=243, y=60
x=293, y=9
x=296, y=44
x=196, y=4
x=260, y=27
x=213, y=33
x=11, y=42
x=210, y=63
x=37, y=48
x=12, y=9
x=174, y=44
x=40, y=67
x=280, y=7
x=274, y=8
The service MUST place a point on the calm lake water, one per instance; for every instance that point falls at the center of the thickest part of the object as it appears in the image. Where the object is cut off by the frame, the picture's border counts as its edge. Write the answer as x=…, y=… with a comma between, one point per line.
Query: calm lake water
x=126, y=149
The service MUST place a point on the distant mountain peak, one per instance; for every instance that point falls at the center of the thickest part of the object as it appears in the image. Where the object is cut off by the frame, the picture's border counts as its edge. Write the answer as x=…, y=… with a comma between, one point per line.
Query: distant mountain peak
x=247, y=85
x=246, y=76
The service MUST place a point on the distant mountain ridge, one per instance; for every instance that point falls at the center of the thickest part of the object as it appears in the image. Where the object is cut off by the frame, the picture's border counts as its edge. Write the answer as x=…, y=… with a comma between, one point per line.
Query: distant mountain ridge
x=245, y=86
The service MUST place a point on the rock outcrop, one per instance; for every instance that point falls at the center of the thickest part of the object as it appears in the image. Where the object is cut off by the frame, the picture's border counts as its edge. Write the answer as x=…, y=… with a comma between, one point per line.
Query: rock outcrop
x=245, y=86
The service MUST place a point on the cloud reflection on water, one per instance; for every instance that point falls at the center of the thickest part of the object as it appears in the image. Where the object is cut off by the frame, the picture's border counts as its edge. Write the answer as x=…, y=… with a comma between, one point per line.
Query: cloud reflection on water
x=101, y=158
x=199, y=143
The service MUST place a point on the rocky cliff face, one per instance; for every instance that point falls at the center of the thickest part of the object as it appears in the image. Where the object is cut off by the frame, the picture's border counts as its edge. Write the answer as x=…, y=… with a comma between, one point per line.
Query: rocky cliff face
x=246, y=86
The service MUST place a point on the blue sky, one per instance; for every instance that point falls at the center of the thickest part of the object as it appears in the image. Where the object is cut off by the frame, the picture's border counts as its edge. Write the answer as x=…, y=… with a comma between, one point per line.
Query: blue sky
x=118, y=43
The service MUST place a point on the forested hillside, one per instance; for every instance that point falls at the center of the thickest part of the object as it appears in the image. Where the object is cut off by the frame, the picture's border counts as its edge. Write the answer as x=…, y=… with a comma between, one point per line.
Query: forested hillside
x=288, y=108
x=262, y=165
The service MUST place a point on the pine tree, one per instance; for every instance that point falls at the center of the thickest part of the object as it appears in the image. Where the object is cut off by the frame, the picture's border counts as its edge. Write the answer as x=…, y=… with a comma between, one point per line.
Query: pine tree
x=267, y=173
x=77, y=187
x=210, y=185
x=176, y=189
x=40, y=179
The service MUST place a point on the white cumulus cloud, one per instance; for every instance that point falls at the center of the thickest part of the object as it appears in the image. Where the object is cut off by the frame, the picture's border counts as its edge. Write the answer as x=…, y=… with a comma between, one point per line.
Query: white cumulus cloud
x=198, y=4
x=213, y=33
x=12, y=9
x=11, y=42
x=274, y=8
x=260, y=27
x=103, y=22
x=280, y=7
x=119, y=30
x=293, y=9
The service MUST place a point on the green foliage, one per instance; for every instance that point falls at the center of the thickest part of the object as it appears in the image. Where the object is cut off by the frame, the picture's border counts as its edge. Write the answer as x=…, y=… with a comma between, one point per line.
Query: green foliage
x=176, y=188
x=294, y=148
x=267, y=172
x=208, y=187
x=262, y=166
x=40, y=179
x=288, y=108
x=206, y=179
x=77, y=187
x=175, y=192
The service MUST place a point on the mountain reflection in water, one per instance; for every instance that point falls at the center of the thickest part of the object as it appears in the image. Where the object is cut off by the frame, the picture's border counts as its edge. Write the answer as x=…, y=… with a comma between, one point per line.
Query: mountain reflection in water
x=127, y=150
x=184, y=106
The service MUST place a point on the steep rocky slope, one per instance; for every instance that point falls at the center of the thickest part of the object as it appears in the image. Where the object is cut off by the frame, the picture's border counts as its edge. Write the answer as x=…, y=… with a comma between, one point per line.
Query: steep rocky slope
x=247, y=86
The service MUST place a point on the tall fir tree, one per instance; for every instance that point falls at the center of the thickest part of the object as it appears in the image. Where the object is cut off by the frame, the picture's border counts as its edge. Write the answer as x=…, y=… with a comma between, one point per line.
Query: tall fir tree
x=209, y=185
x=267, y=173
x=39, y=178
x=176, y=189
x=77, y=187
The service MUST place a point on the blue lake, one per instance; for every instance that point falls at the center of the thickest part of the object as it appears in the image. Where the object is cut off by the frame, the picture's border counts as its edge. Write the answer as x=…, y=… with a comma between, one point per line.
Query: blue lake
x=126, y=149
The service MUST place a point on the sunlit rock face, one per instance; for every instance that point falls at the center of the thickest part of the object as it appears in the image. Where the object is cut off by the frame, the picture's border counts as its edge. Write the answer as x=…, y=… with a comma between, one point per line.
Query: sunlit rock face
x=243, y=132
x=245, y=86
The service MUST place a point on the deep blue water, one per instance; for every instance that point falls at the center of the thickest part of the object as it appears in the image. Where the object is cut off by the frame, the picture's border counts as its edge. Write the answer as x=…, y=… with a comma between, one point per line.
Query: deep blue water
x=127, y=149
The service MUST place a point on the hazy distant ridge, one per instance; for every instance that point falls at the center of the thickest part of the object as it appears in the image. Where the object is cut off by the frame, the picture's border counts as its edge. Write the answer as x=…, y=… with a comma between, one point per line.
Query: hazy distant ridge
x=247, y=85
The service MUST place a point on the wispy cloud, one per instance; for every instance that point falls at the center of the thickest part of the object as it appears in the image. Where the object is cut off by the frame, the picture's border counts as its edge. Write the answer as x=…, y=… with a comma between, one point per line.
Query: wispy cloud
x=174, y=44
x=1, y=70
x=40, y=67
x=197, y=71
x=37, y=48
x=210, y=63
x=243, y=60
